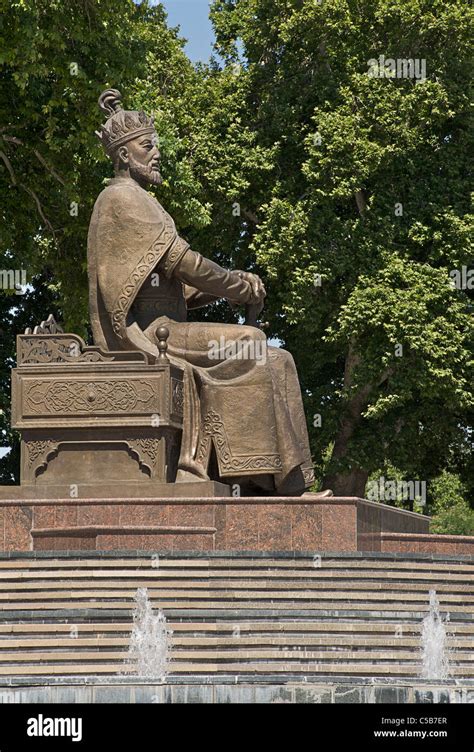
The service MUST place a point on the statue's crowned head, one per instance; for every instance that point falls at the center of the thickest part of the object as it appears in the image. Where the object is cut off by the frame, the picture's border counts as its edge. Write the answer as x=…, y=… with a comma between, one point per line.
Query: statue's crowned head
x=129, y=138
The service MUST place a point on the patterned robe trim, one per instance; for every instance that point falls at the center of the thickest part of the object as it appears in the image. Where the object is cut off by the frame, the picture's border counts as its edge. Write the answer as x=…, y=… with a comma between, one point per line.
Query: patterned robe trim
x=167, y=240
x=229, y=464
x=174, y=256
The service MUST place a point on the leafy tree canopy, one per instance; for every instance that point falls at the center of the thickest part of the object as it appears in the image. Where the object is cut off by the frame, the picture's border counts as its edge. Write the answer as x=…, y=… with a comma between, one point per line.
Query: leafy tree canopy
x=348, y=192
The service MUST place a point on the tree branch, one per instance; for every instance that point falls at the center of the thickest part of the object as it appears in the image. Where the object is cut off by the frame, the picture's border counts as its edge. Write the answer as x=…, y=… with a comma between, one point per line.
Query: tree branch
x=28, y=190
x=5, y=159
x=40, y=209
x=48, y=167
x=12, y=140
x=248, y=214
x=39, y=157
x=361, y=202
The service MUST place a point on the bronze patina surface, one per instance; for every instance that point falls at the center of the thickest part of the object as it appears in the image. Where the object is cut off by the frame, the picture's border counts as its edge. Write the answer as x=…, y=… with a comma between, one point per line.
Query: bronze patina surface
x=243, y=418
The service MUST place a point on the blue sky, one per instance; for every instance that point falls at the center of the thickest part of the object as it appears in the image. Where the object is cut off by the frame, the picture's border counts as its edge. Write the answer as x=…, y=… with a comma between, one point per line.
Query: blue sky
x=192, y=16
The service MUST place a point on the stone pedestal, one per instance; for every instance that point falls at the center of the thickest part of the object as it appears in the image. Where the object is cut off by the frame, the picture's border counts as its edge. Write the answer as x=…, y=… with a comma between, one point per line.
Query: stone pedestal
x=203, y=524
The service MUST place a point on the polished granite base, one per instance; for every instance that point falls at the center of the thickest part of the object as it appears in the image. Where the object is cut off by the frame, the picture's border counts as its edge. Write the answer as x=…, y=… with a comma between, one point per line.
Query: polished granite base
x=203, y=523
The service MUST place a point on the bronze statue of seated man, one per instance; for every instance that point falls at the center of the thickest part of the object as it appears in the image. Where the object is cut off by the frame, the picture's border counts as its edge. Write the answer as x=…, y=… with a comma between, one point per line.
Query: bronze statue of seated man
x=243, y=414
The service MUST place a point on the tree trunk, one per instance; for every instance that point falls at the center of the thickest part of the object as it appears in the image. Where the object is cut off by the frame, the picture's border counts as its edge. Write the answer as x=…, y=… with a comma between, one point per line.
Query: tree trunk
x=353, y=482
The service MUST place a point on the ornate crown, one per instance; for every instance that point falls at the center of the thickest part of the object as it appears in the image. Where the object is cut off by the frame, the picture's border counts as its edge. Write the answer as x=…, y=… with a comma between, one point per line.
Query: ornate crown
x=121, y=125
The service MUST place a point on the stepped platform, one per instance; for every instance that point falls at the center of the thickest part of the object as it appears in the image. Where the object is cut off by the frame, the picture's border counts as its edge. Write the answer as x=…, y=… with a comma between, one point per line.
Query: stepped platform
x=345, y=623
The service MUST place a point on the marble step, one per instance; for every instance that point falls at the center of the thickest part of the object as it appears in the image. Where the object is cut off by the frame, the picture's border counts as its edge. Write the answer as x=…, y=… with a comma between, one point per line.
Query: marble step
x=268, y=628
x=234, y=563
x=236, y=654
x=223, y=595
x=307, y=668
x=390, y=642
x=156, y=579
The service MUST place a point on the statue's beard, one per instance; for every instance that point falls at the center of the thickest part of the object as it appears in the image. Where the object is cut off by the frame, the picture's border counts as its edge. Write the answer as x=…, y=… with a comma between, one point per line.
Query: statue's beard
x=144, y=173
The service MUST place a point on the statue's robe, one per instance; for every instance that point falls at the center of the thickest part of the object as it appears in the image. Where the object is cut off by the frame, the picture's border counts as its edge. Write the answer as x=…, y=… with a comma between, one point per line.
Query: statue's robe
x=249, y=408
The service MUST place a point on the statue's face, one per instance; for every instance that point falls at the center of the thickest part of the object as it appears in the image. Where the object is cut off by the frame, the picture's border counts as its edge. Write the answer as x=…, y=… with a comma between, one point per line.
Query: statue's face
x=144, y=160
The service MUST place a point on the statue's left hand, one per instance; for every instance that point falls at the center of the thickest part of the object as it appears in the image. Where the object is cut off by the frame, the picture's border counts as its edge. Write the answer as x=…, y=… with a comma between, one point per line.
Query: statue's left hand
x=256, y=286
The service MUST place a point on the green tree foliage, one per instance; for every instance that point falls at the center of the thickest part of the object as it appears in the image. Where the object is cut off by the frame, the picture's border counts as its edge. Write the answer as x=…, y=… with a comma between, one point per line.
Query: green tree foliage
x=360, y=214
x=348, y=193
x=450, y=508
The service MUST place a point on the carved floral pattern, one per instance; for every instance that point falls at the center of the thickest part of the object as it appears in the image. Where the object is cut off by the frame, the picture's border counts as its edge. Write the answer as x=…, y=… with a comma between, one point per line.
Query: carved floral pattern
x=177, y=397
x=174, y=256
x=55, y=350
x=37, y=449
x=147, y=447
x=142, y=269
x=89, y=396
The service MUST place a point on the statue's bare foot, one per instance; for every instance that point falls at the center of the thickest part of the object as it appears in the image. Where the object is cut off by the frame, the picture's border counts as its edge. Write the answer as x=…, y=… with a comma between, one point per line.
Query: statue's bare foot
x=186, y=476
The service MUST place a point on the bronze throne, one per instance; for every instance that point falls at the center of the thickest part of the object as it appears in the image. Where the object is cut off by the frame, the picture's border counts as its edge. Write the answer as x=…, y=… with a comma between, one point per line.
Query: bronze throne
x=104, y=422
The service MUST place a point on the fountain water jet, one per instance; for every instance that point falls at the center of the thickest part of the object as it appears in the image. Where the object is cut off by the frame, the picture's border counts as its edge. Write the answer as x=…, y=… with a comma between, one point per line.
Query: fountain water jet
x=435, y=654
x=150, y=642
